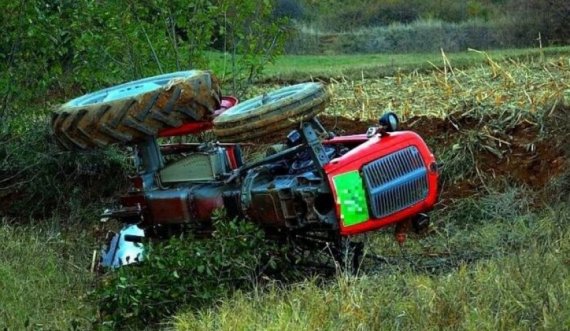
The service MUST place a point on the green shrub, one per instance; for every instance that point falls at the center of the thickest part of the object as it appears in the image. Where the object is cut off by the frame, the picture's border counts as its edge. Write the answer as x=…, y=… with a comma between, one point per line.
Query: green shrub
x=184, y=272
x=38, y=179
x=334, y=15
x=549, y=18
x=54, y=50
x=289, y=8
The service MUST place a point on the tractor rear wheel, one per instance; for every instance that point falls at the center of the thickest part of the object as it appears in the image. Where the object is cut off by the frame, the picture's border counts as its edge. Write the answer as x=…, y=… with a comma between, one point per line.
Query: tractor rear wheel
x=271, y=112
x=128, y=112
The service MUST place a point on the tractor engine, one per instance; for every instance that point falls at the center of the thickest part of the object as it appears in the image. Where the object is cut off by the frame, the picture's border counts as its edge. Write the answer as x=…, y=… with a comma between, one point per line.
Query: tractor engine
x=185, y=191
x=273, y=196
x=282, y=194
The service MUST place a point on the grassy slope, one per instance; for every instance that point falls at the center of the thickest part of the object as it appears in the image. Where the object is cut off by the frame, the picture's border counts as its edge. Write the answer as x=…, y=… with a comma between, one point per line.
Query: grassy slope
x=303, y=67
x=518, y=279
x=526, y=291
x=42, y=281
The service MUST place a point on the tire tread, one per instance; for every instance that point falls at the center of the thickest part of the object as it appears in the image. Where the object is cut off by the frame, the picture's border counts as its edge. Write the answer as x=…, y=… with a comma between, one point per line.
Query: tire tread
x=272, y=117
x=129, y=120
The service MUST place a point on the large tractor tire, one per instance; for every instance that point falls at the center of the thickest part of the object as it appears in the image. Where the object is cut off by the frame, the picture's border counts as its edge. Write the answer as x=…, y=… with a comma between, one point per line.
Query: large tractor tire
x=128, y=112
x=271, y=112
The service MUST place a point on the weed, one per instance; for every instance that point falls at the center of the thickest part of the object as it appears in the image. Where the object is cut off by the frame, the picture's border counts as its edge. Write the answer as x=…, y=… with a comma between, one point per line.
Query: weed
x=40, y=180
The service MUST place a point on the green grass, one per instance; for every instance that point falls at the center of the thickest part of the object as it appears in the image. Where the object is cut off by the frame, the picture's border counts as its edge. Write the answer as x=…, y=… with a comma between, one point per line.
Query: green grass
x=43, y=278
x=305, y=67
x=486, y=267
x=524, y=292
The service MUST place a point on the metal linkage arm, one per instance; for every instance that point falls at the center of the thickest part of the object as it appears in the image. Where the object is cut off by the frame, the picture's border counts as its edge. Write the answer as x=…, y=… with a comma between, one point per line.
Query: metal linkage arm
x=318, y=154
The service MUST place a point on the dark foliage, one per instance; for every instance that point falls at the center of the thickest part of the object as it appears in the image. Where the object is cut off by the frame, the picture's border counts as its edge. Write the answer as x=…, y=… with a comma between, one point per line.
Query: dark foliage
x=38, y=179
x=289, y=8
x=184, y=272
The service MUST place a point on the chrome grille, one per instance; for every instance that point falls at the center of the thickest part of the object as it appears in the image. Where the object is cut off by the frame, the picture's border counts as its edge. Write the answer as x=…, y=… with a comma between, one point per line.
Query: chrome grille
x=395, y=181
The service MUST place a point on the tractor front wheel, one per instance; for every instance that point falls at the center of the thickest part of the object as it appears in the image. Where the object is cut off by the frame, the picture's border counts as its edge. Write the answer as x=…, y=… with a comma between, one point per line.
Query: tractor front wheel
x=271, y=112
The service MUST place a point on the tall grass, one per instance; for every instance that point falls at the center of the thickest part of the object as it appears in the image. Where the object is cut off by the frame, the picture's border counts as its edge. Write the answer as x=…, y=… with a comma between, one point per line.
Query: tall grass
x=526, y=292
x=519, y=279
x=44, y=275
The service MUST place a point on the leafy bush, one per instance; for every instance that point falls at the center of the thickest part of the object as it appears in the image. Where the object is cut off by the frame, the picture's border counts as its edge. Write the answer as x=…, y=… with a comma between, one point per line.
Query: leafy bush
x=335, y=15
x=289, y=8
x=55, y=50
x=39, y=179
x=68, y=46
x=549, y=18
x=183, y=272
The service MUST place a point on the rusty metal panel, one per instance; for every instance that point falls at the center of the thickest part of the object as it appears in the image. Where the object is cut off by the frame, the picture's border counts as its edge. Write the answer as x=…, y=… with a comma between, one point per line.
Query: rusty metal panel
x=266, y=209
x=172, y=206
x=205, y=199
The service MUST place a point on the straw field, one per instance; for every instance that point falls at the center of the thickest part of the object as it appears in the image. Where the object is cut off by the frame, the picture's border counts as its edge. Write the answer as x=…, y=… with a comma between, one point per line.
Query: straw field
x=488, y=87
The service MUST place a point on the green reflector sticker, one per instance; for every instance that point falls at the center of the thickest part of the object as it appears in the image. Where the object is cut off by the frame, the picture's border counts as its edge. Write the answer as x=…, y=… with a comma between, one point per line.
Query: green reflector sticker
x=351, y=198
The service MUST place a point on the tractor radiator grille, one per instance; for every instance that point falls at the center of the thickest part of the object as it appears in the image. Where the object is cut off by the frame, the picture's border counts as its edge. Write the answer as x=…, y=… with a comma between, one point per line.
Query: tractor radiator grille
x=395, y=181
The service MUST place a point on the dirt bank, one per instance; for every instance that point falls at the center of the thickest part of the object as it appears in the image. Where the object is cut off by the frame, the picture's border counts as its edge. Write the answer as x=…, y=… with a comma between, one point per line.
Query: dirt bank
x=524, y=153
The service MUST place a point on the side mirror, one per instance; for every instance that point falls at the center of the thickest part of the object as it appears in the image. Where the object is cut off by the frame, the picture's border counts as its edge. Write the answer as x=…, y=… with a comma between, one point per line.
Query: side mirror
x=389, y=122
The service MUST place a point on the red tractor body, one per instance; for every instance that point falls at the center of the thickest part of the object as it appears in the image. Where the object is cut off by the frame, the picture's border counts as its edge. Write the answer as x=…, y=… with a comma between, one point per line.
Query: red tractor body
x=396, y=171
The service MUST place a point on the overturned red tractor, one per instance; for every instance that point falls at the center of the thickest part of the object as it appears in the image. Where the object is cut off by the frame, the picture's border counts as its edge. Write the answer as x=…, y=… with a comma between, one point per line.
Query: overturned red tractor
x=313, y=186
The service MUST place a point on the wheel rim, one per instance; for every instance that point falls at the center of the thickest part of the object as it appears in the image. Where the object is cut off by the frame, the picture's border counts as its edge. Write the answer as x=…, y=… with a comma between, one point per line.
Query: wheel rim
x=130, y=89
x=253, y=104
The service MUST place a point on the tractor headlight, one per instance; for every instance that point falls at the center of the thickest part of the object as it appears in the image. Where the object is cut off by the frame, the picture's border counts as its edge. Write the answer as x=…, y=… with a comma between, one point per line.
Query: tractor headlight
x=389, y=122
